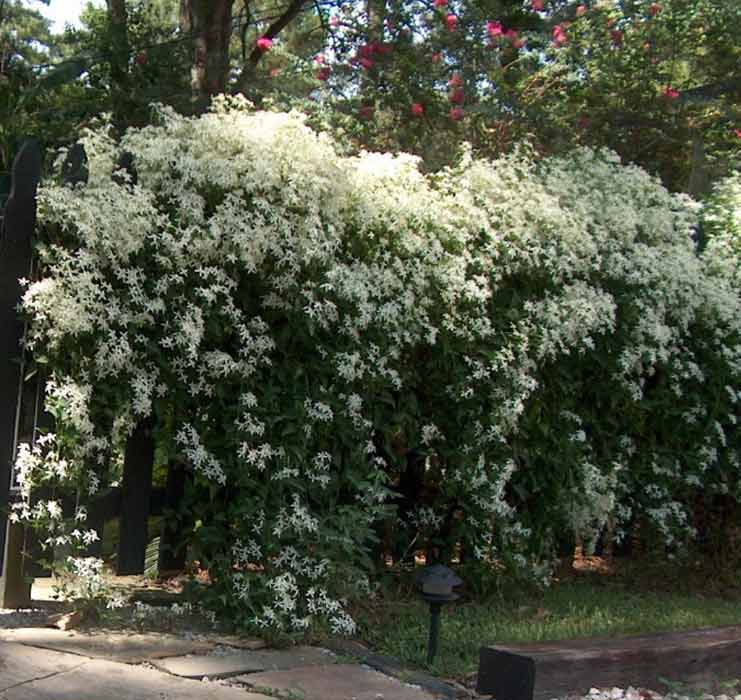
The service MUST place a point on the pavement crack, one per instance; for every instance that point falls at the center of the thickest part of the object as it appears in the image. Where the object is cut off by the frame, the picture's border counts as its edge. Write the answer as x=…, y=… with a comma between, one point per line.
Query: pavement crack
x=42, y=678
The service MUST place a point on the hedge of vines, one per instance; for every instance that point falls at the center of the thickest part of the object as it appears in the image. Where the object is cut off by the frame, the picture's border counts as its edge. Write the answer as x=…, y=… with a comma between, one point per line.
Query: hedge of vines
x=354, y=359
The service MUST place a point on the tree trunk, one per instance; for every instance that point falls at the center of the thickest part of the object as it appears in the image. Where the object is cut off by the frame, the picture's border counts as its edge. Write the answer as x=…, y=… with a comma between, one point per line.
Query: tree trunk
x=698, y=184
x=209, y=22
x=119, y=60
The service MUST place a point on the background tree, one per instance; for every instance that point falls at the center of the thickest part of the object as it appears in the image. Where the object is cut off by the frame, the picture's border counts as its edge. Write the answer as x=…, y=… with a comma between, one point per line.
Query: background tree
x=25, y=42
x=152, y=65
x=119, y=62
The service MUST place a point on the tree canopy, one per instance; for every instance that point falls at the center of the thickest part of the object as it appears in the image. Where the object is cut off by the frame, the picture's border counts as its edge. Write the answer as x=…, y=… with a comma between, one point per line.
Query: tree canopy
x=659, y=82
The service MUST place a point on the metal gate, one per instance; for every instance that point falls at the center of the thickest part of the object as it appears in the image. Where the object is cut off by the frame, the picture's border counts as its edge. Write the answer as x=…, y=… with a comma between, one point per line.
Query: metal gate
x=19, y=402
x=22, y=414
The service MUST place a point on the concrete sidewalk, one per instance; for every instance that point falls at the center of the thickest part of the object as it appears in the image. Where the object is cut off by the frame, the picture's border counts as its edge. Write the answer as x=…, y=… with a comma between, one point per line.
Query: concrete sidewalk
x=40, y=663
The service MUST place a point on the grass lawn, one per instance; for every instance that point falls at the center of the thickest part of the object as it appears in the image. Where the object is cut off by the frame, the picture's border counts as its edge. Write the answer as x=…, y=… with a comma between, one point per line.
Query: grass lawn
x=593, y=599
x=580, y=605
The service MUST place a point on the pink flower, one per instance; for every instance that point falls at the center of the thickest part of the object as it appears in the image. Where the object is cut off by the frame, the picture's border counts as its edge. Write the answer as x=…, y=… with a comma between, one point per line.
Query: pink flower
x=654, y=9
x=456, y=114
x=495, y=29
x=367, y=112
x=334, y=21
x=367, y=63
x=538, y=5
x=671, y=93
x=581, y=10
x=511, y=34
x=617, y=37
x=264, y=44
x=418, y=109
x=275, y=72
x=323, y=73
x=319, y=58
x=441, y=3
x=559, y=35
x=738, y=133
x=456, y=81
x=141, y=58
x=452, y=22
x=458, y=96
x=437, y=57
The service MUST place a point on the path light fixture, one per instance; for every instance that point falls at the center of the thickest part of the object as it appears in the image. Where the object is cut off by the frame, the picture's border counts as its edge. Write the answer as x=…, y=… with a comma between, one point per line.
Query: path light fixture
x=436, y=584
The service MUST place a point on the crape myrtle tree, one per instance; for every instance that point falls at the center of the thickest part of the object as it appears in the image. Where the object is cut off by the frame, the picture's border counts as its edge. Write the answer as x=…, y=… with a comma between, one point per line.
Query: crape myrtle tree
x=139, y=52
x=657, y=82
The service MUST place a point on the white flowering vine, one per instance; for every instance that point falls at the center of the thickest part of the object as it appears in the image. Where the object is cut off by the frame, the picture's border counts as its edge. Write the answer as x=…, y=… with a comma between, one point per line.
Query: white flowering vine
x=300, y=324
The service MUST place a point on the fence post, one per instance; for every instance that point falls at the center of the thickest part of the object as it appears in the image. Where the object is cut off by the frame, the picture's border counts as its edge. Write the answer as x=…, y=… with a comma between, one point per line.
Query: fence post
x=172, y=552
x=136, y=485
x=19, y=220
x=74, y=168
x=136, y=490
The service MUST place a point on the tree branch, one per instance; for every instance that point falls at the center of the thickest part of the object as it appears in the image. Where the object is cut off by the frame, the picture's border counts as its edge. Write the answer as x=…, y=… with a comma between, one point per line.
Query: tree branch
x=711, y=91
x=291, y=12
x=244, y=28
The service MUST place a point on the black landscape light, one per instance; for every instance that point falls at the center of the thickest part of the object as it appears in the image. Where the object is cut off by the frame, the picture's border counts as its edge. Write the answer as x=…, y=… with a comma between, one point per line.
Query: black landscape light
x=436, y=584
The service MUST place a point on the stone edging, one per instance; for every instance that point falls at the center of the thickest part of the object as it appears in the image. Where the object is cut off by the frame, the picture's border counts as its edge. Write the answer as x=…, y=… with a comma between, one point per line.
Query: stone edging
x=393, y=667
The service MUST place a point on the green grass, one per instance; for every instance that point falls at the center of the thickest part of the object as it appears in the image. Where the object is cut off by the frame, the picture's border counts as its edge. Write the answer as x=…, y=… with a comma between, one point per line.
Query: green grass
x=580, y=607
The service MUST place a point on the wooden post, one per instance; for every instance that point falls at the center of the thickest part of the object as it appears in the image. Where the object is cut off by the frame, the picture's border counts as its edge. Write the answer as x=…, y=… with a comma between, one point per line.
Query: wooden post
x=136, y=487
x=74, y=168
x=18, y=225
x=136, y=490
x=172, y=553
x=15, y=583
